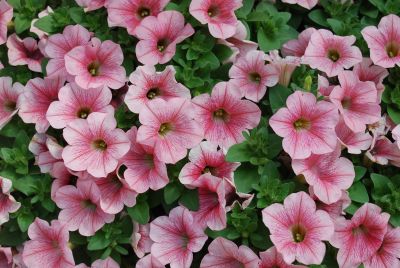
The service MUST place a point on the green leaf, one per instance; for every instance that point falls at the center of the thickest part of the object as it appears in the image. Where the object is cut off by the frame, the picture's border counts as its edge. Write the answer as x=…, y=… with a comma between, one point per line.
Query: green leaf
x=394, y=114
x=22, y=23
x=24, y=220
x=358, y=192
x=245, y=9
x=380, y=183
x=239, y=153
x=172, y=192
x=140, y=212
x=46, y=24
x=98, y=241
x=277, y=96
x=190, y=199
x=360, y=172
x=318, y=16
x=76, y=14
x=245, y=177
x=222, y=52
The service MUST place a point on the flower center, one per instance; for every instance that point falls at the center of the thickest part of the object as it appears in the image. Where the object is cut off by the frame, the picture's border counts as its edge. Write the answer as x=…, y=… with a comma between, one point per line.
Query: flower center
x=153, y=92
x=116, y=182
x=93, y=68
x=255, y=77
x=185, y=240
x=100, y=145
x=88, y=204
x=208, y=169
x=143, y=12
x=302, y=123
x=54, y=244
x=393, y=49
x=164, y=129
x=149, y=160
x=221, y=114
x=333, y=55
x=10, y=106
x=83, y=112
x=162, y=45
x=213, y=11
x=298, y=233
x=72, y=180
x=346, y=102
x=359, y=230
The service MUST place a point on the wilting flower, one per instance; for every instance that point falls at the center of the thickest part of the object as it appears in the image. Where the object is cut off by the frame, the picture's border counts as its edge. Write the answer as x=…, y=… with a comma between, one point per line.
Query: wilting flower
x=9, y=94
x=252, y=76
x=307, y=126
x=355, y=142
x=159, y=37
x=149, y=261
x=271, y=258
x=298, y=229
x=6, y=257
x=24, y=52
x=7, y=201
x=336, y=209
x=286, y=66
x=225, y=253
x=359, y=238
x=308, y=4
x=331, y=53
x=141, y=242
x=95, y=144
x=384, y=41
x=48, y=246
x=176, y=237
x=147, y=85
x=298, y=46
x=90, y=5
x=224, y=115
x=76, y=102
x=169, y=127
x=383, y=152
x=6, y=14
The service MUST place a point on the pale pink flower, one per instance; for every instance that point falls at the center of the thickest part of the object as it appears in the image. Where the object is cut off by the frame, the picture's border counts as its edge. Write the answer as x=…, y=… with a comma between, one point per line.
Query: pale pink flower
x=75, y=102
x=106, y=263
x=24, y=52
x=141, y=242
x=298, y=46
x=307, y=126
x=331, y=53
x=38, y=95
x=396, y=135
x=95, y=144
x=149, y=262
x=48, y=246
x=147, y=85
x=271, y=258
x=218, y=14
x=359, y=238
x=58, y=45
x=324, y=87
x=90, y=5
x=251, y=76
x=169, y=127
x=9, y=94
x=6, y=14
x=96, y=64
x=159, y=37
x=286, y=65
x=224, y=115
x=355, y=142
x=308, y=4
x=366, y=71
x=6, y=258
x=7, y=201
x=130, y=13
x=46, y=151
x=298, y=229
x=63, y=176
x=80, y=208
x=223, y=253
x=336, y=209
x=206, y=158
x=144, y=169
x=381, y=127
x=176, y=238
x=384, y=41
x=384, y=152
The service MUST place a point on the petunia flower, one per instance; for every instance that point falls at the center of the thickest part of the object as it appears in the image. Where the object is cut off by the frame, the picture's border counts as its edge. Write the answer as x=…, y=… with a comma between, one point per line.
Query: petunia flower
x=307, y=4
x=298, y=229
x=46, y=150
x=24, y=52
x=106, y=263
x=384, y=152
x=335, y=209
x=176, y=238
x=140, y=239
x=64, y=176
x=396, y=135
x=9, y=94
x=324, y=87
x=298, y=46
x=6, y=257
x=7, y=201
x=6, y=14
x=90, y=5
x=147, y=85
x=224, y=115
x=355, y=142
x=271, y=258
x=286, y=65
x=149, y=261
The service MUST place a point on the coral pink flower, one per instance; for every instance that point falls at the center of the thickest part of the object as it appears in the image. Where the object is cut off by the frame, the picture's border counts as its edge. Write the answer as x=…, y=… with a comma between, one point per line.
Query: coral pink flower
x=336, y=209
x=328, y=174
x=24, y=52
x=252, y=76
x=298, y=46
x=76, y=102
x=354, y=142
x=130, y=13
x=144, y=169
x=273, y=259
x=286, y=66
x=90, y=5
x=6, y=258
x=206, y=158
x=48, y=246
x=225, y=115
x=38, y=95
x=159, y=37
x=95, y=144
x=149, y=262
x=218, y=14
x=366, y=71
x=176, y=237
x=141, y=242
x=106, y=263
x=359, y=238
x=389, y=252
x=6, y=14
x=169, y=127
x=384, y=41
x=356, y=101
x=331, y=53
x=307, y=126
x=7, y=201
x=308, y=4
x=97, y=64
x=298, y=229
x=58, y=45
x=223, y=253
x=384, y=152
x=9, y=94
x=147, y=85
x=80, y=207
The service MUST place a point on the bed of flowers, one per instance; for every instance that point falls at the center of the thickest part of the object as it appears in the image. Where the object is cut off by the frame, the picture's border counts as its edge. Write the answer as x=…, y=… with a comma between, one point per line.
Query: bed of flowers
x=199, y=133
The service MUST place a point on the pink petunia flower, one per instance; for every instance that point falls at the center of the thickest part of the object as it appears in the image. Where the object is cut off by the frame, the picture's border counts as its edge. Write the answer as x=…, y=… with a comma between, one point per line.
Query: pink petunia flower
x=147, y=85
x=64, y=176
x=9, y=94
x=96, y=64
x=223, y=253
x=95, y=144
x=224, y=115
x=307, y=126
x=169, y=127
x=106, y=263
x=58, y=45
x=308, y=4
x=80, y=207
x=159, y=37
x=384, y=41
x=336, y=209
x=34, y=102
x=324, y=87
x=381, y=128
x=206, y=158
x=130, y=13
x=286, y=66
x=149, y=262
x=48, y=246
x=252, y=76
x=298, y=229
x=359, y=238
x=176, y=238
x=384, y=152
x=7, y=201
x=219, y=15
x=90, y=5
x=331, y=53
x=366, y=71
x=141, y=242
x=24, y=52
x=271, y=258
x=396, y=135
x=354, y=142
x=6, y=14
x=144, y=169
x=46, y=150
x=297, y=47
x=6, y=258
x=75, y=102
